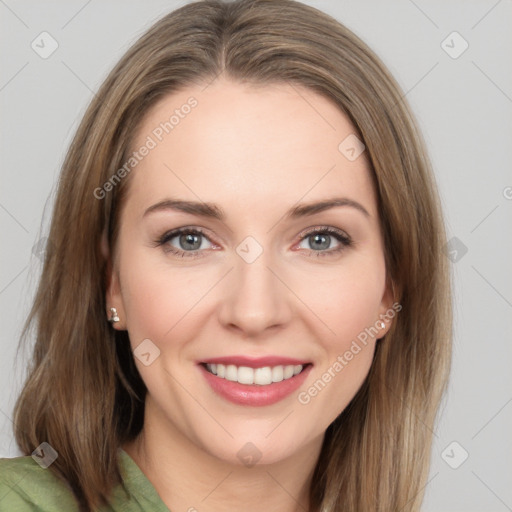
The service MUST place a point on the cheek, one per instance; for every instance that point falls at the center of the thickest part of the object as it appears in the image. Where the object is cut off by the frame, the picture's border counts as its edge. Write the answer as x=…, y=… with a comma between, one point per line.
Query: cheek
x=355, y=310
x=154, y=299
x=159, y=301
x=347, y=300
x=350, y=308
x=351, y=304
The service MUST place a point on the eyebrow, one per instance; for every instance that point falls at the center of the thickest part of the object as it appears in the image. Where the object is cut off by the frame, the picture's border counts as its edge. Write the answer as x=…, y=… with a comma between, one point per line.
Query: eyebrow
x=213, y=211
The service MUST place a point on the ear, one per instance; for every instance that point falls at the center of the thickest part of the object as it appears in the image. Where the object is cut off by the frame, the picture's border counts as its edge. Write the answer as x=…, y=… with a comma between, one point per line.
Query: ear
x=113, y=296
x=387, y=310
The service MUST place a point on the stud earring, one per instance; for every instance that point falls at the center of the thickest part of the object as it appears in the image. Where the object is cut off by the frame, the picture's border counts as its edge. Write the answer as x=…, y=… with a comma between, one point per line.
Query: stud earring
x=113, y=316
x=381, y=324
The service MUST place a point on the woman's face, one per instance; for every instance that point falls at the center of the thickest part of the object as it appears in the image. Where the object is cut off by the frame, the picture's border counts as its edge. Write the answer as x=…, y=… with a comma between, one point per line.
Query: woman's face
x=259, y=279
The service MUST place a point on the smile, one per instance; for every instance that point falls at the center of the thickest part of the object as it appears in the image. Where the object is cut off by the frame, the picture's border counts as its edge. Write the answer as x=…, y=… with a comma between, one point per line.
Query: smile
x=254, y=382
x=260, y=376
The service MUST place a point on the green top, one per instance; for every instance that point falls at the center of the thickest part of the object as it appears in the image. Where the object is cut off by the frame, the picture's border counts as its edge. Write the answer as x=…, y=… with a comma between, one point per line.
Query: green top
x=26, y=487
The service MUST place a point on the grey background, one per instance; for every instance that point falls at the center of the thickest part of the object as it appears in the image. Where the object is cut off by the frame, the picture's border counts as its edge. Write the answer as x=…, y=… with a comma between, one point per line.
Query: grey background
x=464, y=108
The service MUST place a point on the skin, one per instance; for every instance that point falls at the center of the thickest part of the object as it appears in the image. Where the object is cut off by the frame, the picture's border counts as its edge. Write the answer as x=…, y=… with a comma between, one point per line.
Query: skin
x=256, y=151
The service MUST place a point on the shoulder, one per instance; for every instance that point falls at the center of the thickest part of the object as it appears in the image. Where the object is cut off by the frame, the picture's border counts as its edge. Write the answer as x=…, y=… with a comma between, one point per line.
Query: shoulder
x=25, y=486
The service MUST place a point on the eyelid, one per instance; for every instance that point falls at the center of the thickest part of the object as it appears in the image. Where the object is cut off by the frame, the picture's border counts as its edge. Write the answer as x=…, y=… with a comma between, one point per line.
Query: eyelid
x=324, y=229
x=342, y=237
x=172, y=233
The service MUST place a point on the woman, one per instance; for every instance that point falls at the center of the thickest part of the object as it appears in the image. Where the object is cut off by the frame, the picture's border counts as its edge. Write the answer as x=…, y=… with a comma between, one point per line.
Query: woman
x=244, y=303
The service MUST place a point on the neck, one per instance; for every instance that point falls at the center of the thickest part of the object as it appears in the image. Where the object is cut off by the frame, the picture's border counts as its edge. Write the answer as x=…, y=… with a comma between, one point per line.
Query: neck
x=188, y=478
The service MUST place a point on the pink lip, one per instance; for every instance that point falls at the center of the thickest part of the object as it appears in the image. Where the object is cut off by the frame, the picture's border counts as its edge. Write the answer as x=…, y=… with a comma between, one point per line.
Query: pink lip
x=254, y=395
x=255, y=362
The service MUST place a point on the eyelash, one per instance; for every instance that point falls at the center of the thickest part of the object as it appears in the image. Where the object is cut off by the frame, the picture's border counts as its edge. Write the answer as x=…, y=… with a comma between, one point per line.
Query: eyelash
x=340, y=236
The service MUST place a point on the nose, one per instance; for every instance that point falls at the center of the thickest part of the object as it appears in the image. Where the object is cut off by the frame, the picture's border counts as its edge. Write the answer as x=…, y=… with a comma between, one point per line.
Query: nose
x=254, y=299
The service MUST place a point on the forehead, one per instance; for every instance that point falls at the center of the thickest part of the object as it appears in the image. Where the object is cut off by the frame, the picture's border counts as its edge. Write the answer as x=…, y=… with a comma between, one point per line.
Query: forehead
x=246, y=144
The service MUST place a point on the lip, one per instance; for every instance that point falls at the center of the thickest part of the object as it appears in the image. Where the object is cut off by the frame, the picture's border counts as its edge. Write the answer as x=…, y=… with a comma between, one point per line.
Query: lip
x=255, y=362
x=254, y=395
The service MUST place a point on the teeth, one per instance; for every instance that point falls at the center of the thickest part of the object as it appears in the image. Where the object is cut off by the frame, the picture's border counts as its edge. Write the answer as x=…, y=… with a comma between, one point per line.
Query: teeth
x=261, y=376
x=288, y=372
x=245, y=375
x=277, y=374
x=231, y=372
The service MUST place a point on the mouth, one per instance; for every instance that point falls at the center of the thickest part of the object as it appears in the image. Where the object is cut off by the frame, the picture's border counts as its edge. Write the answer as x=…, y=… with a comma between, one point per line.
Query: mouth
x=259, y=376
x=255, y=382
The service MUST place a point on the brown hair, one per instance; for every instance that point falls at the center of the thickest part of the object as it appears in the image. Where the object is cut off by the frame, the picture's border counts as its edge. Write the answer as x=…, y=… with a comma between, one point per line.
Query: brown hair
x=84, y=395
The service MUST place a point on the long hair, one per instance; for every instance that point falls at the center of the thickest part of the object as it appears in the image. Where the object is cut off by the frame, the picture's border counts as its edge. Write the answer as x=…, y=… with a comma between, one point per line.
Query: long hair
x=84, y=395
